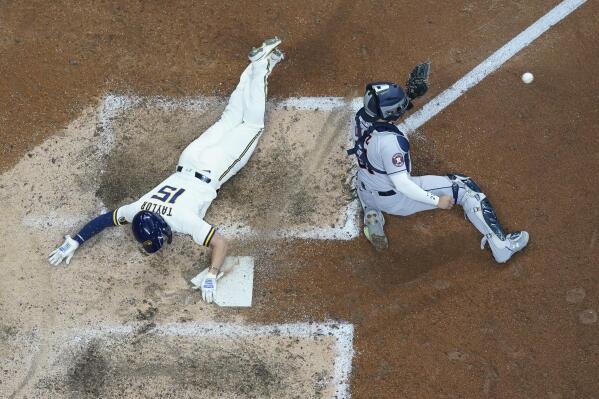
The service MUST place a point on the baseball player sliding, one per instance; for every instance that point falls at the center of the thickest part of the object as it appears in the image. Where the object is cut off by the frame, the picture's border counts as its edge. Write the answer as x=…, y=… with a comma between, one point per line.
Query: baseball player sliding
x=384, y=183
x=179, y=203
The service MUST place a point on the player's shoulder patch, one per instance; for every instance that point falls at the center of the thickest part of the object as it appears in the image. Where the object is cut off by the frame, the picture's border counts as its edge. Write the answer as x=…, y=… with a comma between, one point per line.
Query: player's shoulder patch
x=398, y=159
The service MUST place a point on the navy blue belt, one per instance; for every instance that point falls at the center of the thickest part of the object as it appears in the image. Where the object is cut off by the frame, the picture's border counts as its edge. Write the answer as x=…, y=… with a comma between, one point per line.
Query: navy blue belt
x=198, y=175
x=381, y=193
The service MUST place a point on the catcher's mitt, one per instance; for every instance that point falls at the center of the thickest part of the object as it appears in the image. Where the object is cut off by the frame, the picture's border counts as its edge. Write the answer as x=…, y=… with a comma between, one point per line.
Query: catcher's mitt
x=418, y=81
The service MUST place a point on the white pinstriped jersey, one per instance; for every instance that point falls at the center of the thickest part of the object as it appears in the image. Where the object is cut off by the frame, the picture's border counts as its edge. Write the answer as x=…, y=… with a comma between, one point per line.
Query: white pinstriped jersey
x=182, y=200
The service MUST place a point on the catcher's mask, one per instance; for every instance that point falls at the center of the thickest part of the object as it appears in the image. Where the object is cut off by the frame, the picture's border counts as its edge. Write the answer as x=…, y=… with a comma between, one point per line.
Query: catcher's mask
x=150, y=230
x=385, y=100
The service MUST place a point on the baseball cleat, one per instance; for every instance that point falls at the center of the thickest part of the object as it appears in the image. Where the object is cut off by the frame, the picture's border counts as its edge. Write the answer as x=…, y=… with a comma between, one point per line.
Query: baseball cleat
x=515, y=242
x=275, y=57
x=258, y=53
x=374, y=232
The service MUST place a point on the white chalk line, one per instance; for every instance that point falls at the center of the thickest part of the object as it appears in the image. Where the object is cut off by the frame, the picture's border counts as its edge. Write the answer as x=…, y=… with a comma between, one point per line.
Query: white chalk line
x=490, y=65
x=342, y=332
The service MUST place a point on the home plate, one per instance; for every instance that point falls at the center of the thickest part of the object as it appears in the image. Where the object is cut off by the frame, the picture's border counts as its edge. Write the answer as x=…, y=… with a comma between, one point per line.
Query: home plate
x=235, y=288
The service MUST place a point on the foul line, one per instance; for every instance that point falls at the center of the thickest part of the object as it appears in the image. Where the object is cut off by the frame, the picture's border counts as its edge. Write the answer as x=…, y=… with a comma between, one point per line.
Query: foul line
x=490, y=65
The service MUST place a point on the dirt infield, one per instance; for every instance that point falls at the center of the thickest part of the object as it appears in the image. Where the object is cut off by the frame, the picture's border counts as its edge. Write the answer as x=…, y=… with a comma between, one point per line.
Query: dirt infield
x=433, y=316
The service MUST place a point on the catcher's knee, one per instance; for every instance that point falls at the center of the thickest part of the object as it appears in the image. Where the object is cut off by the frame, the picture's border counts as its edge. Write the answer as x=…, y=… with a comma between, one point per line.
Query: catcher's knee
x=464, y=183
x=459, y=180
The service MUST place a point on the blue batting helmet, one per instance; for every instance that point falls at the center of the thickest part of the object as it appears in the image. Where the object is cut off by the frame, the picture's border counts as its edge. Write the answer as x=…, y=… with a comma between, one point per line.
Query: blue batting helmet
x=385, y=100
x=150, y=230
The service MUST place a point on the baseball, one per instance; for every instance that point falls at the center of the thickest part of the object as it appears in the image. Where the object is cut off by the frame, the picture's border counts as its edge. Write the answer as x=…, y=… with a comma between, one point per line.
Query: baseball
x=527, y=77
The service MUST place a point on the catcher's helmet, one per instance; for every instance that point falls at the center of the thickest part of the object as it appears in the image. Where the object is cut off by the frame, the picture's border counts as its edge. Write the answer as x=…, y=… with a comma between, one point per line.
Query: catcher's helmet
x=385, y=100
x=150, y=230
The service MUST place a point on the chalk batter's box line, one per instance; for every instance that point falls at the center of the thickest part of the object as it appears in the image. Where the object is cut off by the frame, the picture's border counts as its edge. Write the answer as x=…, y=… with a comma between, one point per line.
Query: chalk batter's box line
x=113, y=105
x=342, y=332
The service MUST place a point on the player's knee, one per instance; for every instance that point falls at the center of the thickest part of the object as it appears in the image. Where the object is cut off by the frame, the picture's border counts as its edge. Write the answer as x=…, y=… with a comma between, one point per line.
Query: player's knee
x=458, y=179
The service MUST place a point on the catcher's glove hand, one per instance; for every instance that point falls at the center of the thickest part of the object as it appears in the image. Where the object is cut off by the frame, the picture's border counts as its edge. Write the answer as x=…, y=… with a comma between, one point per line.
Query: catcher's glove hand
x=418, y=81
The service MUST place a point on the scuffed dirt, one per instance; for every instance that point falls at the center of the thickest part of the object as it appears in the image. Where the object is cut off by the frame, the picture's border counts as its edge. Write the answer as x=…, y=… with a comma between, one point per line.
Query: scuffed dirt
x=147, y=364
x=296, y=180
x=434, y=316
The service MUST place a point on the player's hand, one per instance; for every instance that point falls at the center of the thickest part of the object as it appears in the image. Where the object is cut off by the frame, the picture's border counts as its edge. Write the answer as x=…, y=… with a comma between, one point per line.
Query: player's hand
x=65, y=251
x=209, y=287
x=445, y=202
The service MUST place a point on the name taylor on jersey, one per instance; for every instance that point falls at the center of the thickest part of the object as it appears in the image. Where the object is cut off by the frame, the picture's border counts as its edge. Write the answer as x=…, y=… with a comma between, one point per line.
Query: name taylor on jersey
x=157, y=208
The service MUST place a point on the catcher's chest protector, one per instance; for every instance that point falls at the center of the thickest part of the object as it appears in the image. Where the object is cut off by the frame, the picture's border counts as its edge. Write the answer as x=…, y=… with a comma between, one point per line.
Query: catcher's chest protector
x=360, y=149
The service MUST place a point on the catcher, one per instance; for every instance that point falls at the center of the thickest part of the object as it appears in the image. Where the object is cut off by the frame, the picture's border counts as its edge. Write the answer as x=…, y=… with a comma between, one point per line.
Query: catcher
x=384, y=183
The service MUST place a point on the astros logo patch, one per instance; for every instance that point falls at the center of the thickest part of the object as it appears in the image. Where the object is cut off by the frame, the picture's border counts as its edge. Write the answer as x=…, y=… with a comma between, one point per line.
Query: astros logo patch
x=397, y=159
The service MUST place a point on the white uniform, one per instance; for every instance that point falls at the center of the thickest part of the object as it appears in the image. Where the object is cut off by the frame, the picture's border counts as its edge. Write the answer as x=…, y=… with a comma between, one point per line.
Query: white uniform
x=209, y=161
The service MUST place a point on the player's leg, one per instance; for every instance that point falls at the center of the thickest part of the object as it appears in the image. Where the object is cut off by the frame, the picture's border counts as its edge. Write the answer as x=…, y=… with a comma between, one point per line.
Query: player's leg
x=480, y=212
x=237, y=107
x=231, y=117
x=250, y=93
x=254, y=104
x=401, y=205
x=242, y=140
x=374, y=221
x=233, y=113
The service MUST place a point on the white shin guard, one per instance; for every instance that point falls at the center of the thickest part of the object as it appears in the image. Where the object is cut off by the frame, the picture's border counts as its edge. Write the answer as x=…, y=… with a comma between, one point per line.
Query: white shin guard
x=474, y=212
x=481, y=214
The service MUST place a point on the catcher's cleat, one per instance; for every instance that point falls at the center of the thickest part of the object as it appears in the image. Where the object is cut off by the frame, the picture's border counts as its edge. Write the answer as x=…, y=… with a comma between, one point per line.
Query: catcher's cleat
x=374, y=231
x=515, y=241
x=258, y=53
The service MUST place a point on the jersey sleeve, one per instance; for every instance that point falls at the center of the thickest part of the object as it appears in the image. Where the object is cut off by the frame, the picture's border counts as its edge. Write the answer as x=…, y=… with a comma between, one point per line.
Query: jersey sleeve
x=203, y=232
x=407, y=187
x=125, y=214
x=395, y=159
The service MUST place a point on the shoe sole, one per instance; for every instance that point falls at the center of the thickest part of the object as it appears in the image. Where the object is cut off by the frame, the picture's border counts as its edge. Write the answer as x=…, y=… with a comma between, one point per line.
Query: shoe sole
x=267, y=47
x=380, y=243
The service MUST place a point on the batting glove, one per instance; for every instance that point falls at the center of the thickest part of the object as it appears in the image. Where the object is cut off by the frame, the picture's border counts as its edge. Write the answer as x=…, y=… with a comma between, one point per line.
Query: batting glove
x=65, y=251
x=209, y=287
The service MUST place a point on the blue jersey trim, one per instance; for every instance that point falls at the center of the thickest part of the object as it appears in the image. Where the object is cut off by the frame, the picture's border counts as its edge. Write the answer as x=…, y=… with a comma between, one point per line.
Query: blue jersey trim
x=404, y=144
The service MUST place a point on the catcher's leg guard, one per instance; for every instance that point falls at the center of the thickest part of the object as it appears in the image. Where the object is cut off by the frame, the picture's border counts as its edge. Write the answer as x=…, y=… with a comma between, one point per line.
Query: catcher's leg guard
x=373, y=229
x=480, y=212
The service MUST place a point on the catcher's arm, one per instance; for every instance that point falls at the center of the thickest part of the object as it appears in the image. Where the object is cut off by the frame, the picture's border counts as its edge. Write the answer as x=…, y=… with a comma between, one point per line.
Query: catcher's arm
x=418, y=81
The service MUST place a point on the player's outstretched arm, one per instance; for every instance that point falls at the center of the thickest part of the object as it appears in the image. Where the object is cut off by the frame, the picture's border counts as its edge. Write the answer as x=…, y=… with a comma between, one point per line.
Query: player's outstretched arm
x=218, y=245
x=70, y=244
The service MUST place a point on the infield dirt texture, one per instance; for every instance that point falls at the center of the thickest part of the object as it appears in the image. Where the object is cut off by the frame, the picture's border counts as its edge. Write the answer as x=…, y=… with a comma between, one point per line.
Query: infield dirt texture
x=432, y=317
